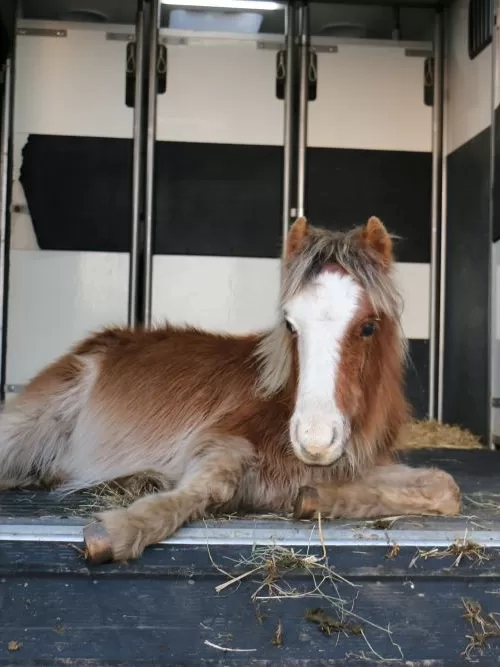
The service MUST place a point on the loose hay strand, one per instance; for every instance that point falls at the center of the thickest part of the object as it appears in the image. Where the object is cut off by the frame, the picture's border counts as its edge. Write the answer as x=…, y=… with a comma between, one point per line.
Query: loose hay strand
x=277, y=639
x=483, y=628
x=273, y=562
x=459, y=549
x=234, y=580
x=227, y=649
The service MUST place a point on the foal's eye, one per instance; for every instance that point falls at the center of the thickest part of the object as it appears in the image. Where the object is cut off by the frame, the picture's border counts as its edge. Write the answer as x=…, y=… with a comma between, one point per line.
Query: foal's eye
x=289, y=326
x=368, y=329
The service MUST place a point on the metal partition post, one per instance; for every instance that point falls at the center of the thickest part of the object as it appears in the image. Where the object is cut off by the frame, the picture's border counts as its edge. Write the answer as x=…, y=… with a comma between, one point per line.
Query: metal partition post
x=5, y=197
x=303, y=102
x=137, y=171
x=444, y=225
x=437, y=158
x=149, y=204
x=493, y=300
x=289, y=112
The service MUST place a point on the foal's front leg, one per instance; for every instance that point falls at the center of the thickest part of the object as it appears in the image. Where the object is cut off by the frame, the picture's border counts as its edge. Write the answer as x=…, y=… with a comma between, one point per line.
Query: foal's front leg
x=210, y=480
x=384, y=491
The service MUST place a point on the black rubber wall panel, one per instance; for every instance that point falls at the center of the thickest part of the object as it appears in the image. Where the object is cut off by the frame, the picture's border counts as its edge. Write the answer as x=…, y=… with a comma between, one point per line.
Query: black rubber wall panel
x=467, y=326
x=224, y=200
x=217, y=199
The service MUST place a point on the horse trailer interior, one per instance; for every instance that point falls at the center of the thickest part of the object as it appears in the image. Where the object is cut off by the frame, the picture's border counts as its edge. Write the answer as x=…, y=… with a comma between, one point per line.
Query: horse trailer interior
x=153, y=157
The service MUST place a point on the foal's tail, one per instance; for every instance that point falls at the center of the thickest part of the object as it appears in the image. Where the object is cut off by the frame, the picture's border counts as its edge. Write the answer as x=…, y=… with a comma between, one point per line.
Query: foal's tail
x=36, y=426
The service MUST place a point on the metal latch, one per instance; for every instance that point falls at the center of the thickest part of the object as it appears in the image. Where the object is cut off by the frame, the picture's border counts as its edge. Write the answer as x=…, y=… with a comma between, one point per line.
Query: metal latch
x=131, y=71
x=312, y=74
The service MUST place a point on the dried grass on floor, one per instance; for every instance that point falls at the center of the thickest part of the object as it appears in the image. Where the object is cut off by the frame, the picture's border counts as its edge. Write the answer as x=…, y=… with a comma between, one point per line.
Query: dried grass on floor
x=120, y=493
x=459, y=550
x=484, y=628
x=422, y=434
x=268, y=573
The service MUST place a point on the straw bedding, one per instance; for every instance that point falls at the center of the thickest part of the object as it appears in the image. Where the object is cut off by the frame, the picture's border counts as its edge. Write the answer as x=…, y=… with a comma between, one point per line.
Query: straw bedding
x=420, y=434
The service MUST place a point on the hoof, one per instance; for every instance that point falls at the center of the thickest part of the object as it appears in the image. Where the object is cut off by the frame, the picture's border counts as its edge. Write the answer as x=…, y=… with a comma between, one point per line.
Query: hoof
x=98, y=547
x=306, y=504
x=115, y=537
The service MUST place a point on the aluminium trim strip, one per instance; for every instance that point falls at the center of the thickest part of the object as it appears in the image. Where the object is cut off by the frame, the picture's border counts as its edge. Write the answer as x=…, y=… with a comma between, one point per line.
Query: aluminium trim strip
x=263, y=533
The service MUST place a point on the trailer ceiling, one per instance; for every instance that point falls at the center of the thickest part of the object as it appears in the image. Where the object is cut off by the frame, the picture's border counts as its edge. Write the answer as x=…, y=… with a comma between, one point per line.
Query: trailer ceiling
x=376, y=20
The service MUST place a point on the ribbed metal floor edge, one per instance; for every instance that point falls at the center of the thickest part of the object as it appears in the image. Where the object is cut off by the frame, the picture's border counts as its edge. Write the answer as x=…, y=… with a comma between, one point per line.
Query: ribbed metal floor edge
x=264, y=532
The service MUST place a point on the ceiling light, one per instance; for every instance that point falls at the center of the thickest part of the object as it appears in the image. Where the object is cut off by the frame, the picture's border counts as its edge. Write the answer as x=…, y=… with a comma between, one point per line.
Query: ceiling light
x=259, y=5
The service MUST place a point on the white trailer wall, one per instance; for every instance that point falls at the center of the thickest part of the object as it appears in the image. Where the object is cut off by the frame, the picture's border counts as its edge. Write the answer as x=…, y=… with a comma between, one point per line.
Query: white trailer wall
x=369, y=132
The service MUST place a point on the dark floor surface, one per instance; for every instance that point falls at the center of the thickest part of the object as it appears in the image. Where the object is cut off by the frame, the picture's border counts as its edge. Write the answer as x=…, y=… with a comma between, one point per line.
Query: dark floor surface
x=160, y=610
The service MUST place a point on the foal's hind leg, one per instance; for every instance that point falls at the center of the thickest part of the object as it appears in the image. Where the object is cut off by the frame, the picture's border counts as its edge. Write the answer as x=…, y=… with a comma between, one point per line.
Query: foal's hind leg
x=388, y=490
x=211, y=479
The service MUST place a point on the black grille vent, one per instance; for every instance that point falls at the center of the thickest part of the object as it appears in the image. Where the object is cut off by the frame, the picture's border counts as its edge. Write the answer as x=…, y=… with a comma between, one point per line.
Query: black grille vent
x=480, y=26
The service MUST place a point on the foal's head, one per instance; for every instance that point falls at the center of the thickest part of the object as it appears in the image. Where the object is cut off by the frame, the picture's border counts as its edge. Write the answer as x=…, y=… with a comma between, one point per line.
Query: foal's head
x=341, y=322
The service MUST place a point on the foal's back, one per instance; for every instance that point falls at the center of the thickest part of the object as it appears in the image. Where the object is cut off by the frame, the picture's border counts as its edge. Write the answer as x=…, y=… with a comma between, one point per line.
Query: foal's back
x=124, y=401
x=170, y=374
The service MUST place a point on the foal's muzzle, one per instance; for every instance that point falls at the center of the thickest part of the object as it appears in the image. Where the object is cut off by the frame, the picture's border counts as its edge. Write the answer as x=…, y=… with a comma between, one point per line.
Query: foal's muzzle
x=317, y=440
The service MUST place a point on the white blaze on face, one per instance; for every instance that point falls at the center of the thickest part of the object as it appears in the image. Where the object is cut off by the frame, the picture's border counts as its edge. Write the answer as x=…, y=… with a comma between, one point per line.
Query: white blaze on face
x=320, y=315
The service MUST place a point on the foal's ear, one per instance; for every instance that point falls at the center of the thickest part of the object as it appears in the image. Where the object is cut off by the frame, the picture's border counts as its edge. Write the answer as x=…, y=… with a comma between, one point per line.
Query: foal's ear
x=375, y=235
x=296, y=236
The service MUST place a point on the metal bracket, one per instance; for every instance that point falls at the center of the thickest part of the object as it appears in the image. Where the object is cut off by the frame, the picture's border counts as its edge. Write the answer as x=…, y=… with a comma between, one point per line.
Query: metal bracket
x=271, y=46
x=130, y=37
x=418, y=53
x=14, y=388
x=120, y=36
x=326, y=49
x=42, y=32
x=176, y=41
x=279, y=46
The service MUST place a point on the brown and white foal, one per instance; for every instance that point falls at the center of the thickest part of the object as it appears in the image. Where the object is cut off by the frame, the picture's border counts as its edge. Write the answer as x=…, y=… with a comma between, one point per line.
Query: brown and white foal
x=238, y=422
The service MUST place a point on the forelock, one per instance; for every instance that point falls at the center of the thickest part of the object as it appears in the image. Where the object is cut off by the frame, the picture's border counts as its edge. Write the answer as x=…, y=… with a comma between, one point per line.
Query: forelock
x=324, y=247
